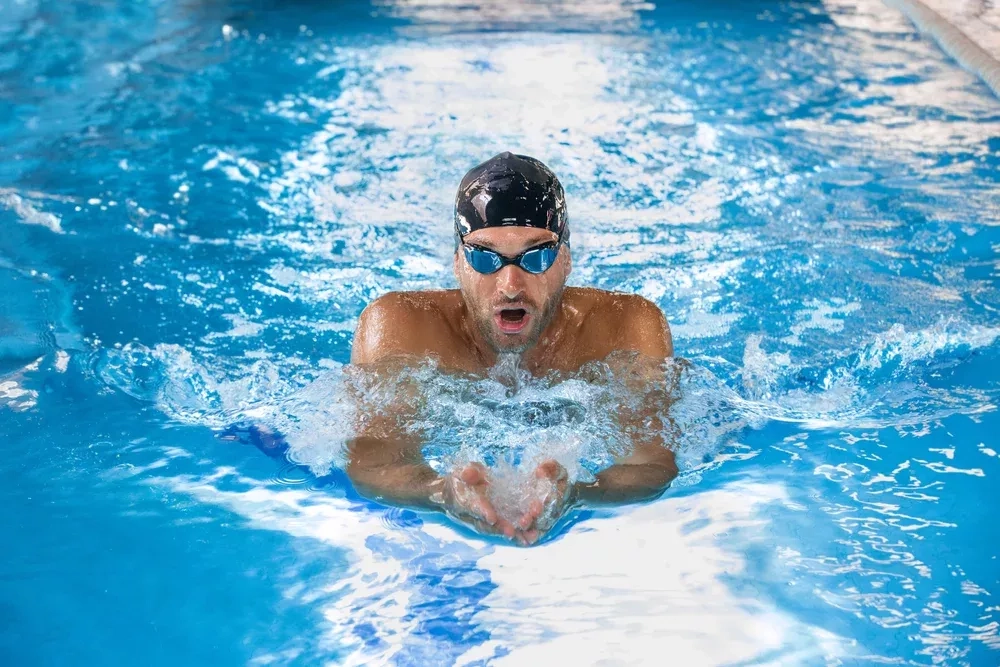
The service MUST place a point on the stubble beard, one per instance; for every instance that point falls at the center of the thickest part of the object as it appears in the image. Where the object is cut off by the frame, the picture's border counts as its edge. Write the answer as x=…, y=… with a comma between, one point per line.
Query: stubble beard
x=500, y=343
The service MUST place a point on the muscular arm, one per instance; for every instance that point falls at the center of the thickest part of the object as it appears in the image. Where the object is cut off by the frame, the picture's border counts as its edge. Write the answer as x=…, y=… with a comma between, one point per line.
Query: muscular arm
x=389, y=468
x=396, y=325
x=386, y=465
x=649, y=468
x=643, y=475
x=385, y=462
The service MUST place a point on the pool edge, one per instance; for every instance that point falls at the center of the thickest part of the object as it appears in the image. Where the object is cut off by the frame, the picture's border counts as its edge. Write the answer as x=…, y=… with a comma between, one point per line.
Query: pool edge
x=953, y=41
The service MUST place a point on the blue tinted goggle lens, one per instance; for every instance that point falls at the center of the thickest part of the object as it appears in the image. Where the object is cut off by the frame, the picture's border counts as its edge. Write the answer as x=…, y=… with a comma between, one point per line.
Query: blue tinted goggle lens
x=483, y=261
x=537, y=260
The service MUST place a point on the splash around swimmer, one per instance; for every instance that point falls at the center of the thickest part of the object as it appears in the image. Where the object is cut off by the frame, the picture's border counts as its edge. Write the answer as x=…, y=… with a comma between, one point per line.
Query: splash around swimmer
x=512, y=260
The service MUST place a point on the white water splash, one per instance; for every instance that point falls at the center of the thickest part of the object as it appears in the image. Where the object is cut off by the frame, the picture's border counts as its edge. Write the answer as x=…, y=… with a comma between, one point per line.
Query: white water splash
x=882, y=383
x=512, y=421
x=907, y=347
x=27, y=213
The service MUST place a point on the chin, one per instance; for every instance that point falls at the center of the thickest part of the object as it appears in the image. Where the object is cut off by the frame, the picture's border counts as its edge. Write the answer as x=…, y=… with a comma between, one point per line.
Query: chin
x=503, y=344
x=507, y=344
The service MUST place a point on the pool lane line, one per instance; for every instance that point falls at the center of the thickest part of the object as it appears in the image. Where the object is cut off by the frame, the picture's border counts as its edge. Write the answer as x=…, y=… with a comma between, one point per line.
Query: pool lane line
x=953, y=41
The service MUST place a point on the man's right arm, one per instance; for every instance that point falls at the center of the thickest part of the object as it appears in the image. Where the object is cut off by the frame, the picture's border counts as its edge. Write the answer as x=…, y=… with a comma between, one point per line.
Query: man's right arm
x=392, y=471
x=395, y=326
x=385, y=461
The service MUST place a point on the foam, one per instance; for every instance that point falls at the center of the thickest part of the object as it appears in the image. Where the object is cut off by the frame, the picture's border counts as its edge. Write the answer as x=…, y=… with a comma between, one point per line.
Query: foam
x=880, y=384
x=28, y=213
x=511, y=421
x=309, y=411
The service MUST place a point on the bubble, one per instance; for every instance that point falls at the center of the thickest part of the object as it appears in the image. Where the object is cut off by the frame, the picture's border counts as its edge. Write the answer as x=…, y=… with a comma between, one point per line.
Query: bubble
x=511, y=421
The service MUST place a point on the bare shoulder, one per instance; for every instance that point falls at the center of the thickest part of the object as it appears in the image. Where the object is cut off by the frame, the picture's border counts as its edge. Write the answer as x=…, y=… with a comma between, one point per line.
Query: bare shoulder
x=646, y=329
x=400, y=323
x=629, y=321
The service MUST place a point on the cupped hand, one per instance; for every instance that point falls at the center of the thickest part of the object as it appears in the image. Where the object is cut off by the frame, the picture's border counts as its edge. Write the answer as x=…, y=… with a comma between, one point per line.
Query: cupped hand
x=466, y=497
x=554, y=496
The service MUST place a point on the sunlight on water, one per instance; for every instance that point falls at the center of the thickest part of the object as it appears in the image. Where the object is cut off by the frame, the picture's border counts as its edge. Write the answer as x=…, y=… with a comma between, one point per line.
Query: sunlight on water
x=659, y=593
x=199, y=198
x=665, y=568
x=516, y=425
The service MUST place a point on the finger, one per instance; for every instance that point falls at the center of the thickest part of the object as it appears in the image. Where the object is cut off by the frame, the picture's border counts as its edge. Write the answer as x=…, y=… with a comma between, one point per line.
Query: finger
x=537, y=507
x=473, y=475
x=546, y=469
x=506, y=528
x=534, y=511
x=485, y=509
x=551, y=469
x=484, y=528
x=530, y=536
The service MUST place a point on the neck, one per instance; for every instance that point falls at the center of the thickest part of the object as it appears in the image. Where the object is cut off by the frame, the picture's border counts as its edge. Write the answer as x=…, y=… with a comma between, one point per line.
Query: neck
x=539, y=356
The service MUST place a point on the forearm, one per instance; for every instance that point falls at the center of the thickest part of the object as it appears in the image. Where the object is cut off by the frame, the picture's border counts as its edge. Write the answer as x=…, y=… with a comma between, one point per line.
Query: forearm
x=626, y=483
x=404, y=480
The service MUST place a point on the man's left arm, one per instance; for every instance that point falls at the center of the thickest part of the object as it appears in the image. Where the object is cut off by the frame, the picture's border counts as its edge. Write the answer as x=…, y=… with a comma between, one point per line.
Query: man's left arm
x=650, y=466
x=645, y=329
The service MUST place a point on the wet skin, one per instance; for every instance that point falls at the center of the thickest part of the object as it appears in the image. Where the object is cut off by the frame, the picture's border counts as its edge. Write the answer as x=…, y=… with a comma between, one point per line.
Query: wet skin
x=552, y=328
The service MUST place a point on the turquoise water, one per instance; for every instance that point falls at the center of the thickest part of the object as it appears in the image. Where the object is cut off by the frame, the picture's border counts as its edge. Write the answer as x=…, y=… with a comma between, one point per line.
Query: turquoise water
x=198, y=198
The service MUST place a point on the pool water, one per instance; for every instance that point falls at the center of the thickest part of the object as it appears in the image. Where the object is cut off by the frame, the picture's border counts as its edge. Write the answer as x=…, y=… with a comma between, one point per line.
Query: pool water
x=198, y=198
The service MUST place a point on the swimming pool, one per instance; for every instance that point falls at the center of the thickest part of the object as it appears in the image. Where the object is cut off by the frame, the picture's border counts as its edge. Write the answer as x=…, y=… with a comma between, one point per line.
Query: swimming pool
x=198, y=198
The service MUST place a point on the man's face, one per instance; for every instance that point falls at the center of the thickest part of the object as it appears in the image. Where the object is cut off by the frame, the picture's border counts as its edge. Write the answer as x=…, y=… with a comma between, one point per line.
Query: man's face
x=512, y=307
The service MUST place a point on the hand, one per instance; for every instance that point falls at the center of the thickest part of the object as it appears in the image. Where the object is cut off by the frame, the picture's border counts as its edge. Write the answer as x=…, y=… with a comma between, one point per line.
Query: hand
x=554, y=497
x=466, y=497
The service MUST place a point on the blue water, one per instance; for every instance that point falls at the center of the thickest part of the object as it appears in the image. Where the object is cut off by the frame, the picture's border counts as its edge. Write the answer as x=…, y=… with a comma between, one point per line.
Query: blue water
x=198, y=198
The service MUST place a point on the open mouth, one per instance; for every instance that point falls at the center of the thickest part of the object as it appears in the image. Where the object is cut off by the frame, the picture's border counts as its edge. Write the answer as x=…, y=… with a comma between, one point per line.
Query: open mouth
x=512, y=320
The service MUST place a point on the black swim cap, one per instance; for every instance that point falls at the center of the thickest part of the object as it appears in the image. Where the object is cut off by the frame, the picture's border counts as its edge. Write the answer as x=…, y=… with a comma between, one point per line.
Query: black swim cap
x=510, y=190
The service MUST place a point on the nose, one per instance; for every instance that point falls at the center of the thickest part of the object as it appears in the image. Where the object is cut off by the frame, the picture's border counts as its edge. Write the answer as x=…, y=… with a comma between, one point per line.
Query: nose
x=510, y=282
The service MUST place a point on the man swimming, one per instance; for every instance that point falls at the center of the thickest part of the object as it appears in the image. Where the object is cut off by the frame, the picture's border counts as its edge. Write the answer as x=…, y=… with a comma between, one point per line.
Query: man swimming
x=512, y=259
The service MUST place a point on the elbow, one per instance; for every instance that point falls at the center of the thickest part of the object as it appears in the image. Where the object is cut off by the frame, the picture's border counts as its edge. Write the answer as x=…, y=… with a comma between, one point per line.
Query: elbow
x=360, y=476
x=660, y=475
x=362, y=468
x=668, y=471
x=367, y=481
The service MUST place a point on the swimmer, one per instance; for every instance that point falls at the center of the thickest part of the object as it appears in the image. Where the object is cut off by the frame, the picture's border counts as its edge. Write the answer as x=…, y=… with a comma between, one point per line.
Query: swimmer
x=512, y=259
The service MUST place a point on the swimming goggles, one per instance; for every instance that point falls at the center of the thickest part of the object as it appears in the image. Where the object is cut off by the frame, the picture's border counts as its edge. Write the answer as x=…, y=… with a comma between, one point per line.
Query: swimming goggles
x=533, y=260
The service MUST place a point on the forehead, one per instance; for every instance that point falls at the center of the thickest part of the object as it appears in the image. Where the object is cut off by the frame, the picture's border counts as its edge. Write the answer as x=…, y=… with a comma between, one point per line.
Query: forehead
x=510, y=238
